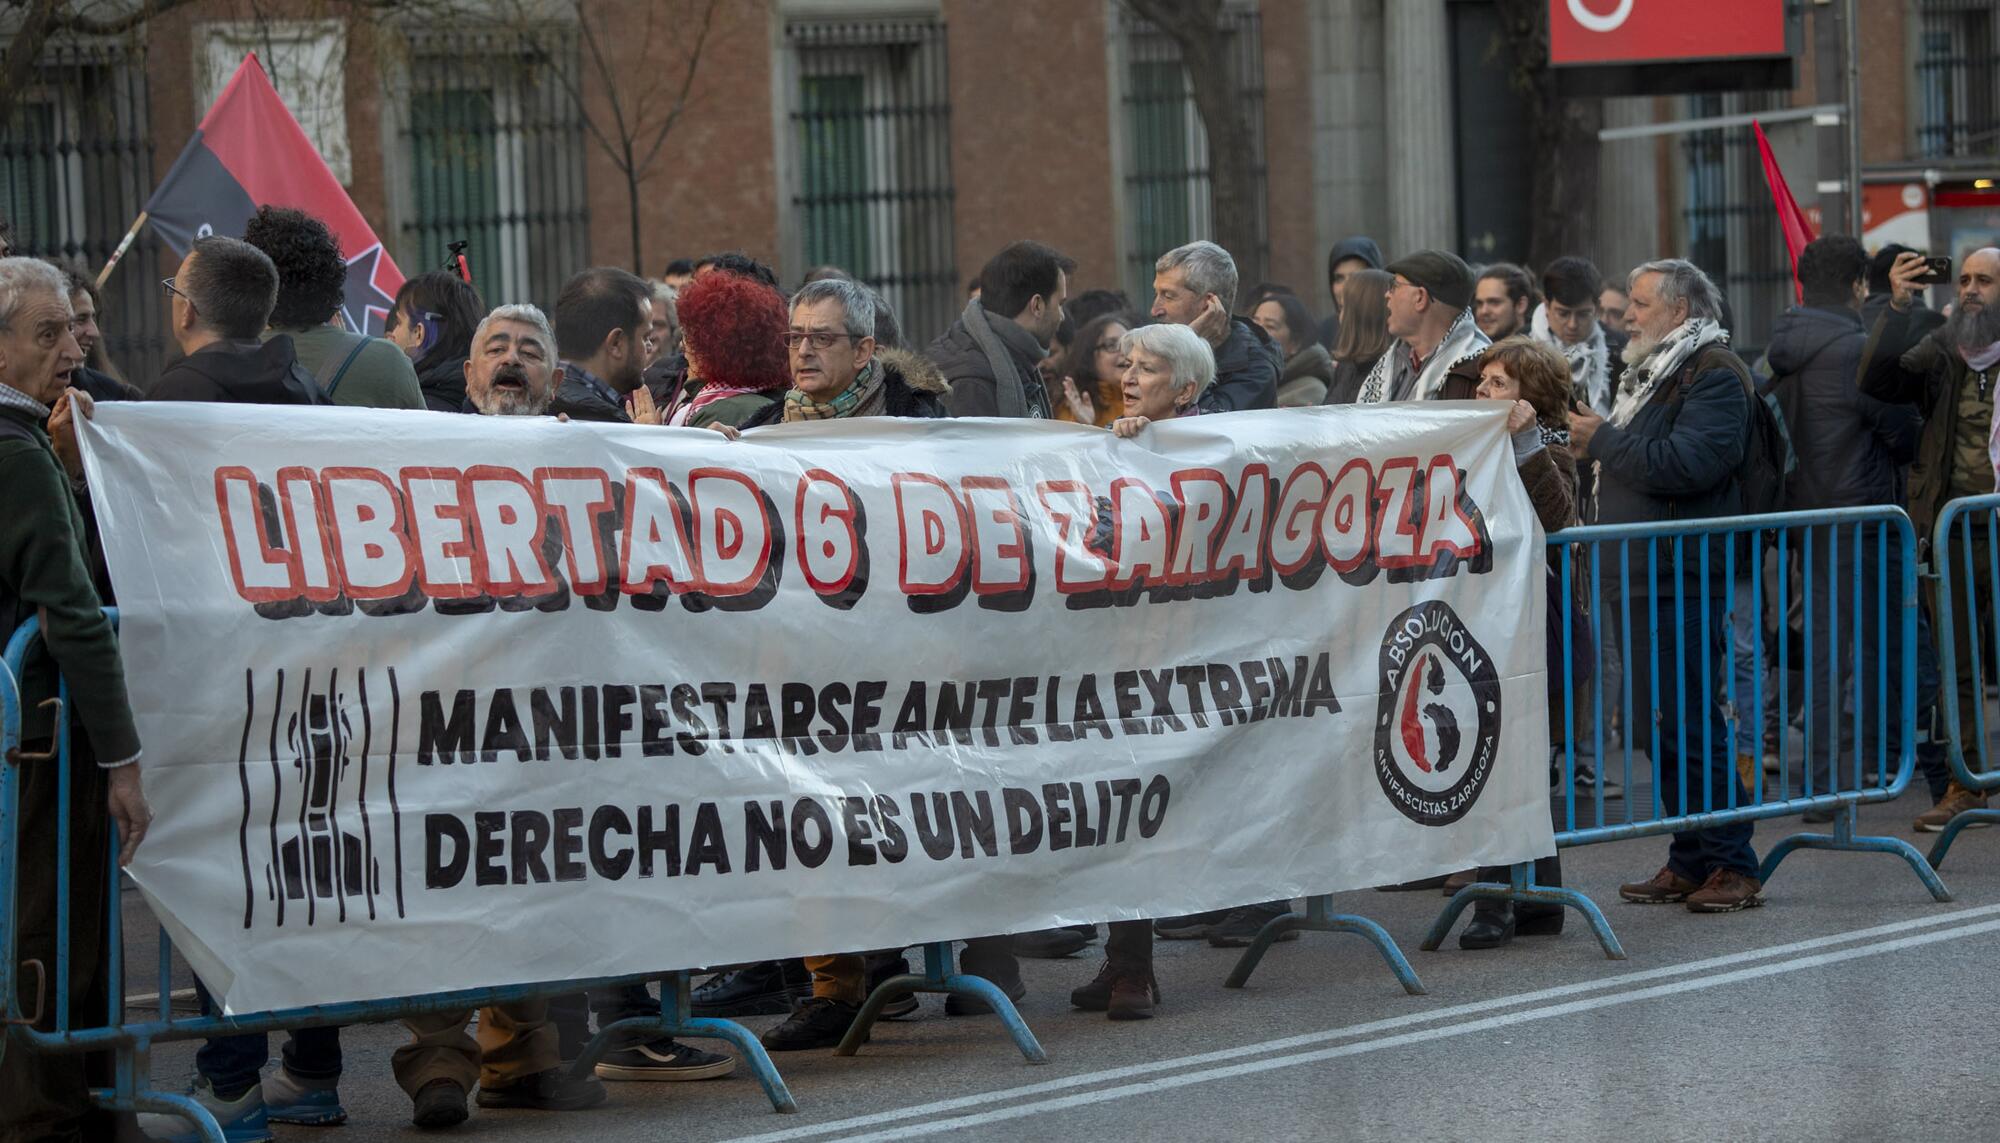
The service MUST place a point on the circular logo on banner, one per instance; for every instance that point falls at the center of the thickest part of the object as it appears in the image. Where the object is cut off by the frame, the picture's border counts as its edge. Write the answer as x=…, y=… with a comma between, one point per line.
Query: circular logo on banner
x=1581, y=13
x=1437, y=721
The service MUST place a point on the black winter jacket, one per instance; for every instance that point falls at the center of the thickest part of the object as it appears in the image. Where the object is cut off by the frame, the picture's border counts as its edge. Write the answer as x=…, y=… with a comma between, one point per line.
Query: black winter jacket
x=1247, y=367
x=1348, y=377
x=1851, y=447
x=443, y=383
x=972, y=386
x=103, y=386
x=581, y=401
x=241, y=372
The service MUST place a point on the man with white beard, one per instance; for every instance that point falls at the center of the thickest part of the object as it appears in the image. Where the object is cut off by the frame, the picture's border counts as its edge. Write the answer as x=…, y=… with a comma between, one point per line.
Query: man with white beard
x=1673, y=448
x=1948, y=373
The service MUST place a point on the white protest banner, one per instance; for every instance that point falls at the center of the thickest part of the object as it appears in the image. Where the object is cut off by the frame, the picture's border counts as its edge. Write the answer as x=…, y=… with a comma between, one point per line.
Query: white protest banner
x=435, y=702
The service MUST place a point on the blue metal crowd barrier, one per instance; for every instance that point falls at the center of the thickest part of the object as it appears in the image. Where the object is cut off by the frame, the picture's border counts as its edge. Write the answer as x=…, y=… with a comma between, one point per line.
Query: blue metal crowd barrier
x=1967, y=581
x=129, y=1038
x=1841, y=583
x=1852, y=574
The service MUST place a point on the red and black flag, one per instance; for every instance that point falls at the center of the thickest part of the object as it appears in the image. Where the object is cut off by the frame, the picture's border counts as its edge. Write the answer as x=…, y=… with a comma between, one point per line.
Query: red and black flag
x=248, y=152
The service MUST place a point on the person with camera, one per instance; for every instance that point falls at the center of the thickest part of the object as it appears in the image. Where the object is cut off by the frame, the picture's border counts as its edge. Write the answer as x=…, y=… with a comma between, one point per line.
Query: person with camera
x=1948, y=372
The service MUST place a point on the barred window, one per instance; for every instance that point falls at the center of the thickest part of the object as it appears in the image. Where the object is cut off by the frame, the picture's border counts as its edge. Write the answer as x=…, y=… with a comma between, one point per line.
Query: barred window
x=869, y=175
x=1956, y=106
x=493, y=157
x=1728, y=226
x=76, y=168
x=1165, y=146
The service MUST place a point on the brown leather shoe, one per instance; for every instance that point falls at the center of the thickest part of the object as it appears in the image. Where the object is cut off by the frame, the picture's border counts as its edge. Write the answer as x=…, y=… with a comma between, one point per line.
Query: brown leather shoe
x=1666, y=888
x=1957, y=799
x=1459, y=881
x=1725, y=891
x=1133, y=994
x=1121, y=991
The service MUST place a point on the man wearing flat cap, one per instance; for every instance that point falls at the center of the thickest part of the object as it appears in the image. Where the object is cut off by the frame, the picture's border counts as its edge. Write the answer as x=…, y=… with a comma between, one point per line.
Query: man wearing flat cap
x=1430, y=313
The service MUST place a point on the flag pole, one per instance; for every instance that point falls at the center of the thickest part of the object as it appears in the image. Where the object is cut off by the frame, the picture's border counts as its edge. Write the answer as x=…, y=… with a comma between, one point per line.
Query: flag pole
x=123, y=245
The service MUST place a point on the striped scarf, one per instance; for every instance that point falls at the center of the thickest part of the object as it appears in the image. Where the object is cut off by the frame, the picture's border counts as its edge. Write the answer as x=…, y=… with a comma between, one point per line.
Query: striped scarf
x=866, y=390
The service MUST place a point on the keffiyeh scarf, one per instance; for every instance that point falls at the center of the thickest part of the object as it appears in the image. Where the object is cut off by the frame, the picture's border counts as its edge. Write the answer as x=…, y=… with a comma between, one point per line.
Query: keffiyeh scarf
x=1663, y=362
x=1589, y=361
x=1391, y=378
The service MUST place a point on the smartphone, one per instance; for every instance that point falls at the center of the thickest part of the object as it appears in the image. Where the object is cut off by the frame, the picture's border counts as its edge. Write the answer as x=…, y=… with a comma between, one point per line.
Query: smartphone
x=1936, y=270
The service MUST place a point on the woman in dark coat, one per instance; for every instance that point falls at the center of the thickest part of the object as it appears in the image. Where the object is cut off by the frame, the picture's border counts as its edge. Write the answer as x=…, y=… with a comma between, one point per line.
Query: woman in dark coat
x=1533, y=376
x=1308, y=370
x=433, y=320
x=1364, y=333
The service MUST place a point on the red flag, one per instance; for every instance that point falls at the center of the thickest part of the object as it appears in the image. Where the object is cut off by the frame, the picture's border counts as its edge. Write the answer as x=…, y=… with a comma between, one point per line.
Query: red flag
x=1792, y=220
x=248, y=152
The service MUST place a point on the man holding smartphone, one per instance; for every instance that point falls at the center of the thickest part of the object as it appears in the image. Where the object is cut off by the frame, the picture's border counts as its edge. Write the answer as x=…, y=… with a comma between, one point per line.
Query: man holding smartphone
x=1948, y=372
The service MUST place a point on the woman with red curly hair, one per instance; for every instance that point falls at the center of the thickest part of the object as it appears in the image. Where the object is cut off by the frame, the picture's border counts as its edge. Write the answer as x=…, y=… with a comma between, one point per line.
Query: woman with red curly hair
x=733, y=332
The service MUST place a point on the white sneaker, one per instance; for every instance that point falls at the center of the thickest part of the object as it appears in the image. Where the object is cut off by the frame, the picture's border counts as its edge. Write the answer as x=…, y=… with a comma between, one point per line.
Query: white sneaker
x=289, y=1099
x=242, y=1119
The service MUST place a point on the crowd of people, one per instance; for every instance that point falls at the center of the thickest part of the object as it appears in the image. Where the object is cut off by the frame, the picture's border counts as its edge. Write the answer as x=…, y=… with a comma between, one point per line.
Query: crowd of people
x=1626, y=401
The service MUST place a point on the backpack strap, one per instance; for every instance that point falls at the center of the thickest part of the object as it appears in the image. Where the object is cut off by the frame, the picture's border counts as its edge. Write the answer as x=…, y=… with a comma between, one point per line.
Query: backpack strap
x=1701, y=363
x=329, y=384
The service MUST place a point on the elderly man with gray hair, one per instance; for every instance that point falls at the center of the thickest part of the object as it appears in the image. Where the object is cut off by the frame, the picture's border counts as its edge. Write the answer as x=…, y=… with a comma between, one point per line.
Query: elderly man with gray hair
x=45, y=569
x=516, y=1061
x=512, y=370
x=1195, y=286
x=843, y=365
x=1673, y=448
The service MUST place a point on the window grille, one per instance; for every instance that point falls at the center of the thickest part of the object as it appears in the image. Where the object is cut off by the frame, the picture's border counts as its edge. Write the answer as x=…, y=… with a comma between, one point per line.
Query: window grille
x=493, y=150
x=870, y=175
x=1166, y=147
x=76, y=168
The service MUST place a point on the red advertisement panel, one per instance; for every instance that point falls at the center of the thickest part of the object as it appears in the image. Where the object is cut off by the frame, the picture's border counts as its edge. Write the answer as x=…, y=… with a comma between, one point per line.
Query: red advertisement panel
x=1663, y=31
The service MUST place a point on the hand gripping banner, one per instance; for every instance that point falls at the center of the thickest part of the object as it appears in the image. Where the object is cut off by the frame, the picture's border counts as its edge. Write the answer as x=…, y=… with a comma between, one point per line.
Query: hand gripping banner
x=434, y=702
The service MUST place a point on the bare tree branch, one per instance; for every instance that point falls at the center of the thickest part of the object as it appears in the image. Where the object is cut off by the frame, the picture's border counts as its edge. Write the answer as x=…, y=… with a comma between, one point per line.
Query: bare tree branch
x=1562, y=133
x=68, y=20
x=1196, y=27
x=18, y=66
x=604, y=71
x=687, y=84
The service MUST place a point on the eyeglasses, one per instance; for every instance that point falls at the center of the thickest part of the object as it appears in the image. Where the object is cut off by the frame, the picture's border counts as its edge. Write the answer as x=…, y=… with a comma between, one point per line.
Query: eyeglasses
x=173, y=290
x=820, y=338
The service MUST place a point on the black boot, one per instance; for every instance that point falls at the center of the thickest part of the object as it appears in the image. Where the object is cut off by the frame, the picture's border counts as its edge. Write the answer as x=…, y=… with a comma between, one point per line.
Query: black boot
x=1492, y=925
x=1540, y=919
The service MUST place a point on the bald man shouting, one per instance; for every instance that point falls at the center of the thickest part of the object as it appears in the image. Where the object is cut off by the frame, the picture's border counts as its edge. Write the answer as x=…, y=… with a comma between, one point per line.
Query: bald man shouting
x=1948, y=372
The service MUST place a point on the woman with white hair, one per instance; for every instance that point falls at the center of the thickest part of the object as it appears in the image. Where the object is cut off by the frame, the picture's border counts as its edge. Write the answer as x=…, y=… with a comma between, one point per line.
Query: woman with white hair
x=1168, y=368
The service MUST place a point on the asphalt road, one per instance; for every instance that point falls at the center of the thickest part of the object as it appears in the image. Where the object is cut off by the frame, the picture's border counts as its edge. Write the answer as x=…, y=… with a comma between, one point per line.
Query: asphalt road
x=1852, y=1006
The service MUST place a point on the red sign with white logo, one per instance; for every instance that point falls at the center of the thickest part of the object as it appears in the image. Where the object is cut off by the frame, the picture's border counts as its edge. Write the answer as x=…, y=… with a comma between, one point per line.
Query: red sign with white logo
x=1664, y=31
